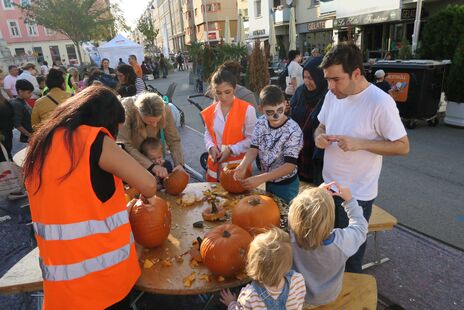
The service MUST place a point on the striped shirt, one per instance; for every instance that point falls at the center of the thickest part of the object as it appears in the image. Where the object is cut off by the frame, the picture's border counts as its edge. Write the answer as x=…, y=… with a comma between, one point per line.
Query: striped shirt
x=249, y=299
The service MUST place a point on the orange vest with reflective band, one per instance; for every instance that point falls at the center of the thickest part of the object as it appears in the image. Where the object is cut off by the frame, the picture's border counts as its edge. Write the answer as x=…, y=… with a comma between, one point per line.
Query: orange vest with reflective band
x=87, y=252
x=233, y=133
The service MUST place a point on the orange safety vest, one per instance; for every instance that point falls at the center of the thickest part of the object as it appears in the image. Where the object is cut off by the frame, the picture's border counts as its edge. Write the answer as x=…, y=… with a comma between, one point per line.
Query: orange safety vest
x=233, y=133
x=87, y=252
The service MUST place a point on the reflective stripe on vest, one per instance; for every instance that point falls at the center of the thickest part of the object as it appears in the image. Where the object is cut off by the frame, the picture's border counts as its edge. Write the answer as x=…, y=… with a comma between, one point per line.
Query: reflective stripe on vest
x=82, y=229
x=83, y=268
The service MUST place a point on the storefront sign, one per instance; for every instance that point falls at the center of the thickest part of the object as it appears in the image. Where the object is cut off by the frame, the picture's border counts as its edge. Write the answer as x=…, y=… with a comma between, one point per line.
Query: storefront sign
x=371, y=18
x=410, y=14
x=213, y=35
x=259, y=32
x=320, y=25
x=399, y=83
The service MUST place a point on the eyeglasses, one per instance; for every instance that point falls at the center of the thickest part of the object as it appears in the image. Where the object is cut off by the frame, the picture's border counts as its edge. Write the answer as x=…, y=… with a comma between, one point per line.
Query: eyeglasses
x=271, y=113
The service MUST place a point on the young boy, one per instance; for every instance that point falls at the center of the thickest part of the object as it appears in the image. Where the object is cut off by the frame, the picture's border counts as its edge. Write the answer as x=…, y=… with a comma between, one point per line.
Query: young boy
x=275, y=285
x=278, y=141
x=22, y=111
x=153, y=150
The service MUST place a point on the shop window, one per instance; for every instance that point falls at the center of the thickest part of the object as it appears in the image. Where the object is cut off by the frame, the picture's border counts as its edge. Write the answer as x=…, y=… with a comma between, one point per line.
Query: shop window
x=14, y=29
x=55, y=53
x=257, y=8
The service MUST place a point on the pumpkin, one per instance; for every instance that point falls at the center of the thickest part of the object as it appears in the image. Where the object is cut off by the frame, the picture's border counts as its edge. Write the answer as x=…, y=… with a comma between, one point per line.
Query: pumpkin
x=224, y=249
x=151, y=223
x=213, y=213
x=176, y=182
x=256, y=213
x=227, y=180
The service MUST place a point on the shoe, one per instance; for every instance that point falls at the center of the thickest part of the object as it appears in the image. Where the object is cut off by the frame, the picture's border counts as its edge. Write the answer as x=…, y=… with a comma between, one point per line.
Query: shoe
x=17, y=195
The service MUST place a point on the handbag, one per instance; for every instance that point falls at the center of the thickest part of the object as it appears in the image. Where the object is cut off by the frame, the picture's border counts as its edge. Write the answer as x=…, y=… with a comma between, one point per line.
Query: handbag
x=9, y=176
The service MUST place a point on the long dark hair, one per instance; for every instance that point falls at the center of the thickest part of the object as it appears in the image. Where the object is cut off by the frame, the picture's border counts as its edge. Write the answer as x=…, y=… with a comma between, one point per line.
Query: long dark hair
x=127, y=88
x=95, y=106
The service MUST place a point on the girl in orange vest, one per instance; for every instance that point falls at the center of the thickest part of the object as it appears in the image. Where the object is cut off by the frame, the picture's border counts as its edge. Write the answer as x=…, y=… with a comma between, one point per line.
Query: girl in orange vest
x=74, y=172
x=229, y=124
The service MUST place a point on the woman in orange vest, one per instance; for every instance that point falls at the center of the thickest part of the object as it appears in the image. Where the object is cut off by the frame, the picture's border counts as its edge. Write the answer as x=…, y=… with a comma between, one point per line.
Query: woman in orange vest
x=74, y=172
x=229, y=124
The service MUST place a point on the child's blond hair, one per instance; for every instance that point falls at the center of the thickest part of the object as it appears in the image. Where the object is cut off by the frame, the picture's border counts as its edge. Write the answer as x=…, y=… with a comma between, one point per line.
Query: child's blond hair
x=311, y=217
x=269, y=257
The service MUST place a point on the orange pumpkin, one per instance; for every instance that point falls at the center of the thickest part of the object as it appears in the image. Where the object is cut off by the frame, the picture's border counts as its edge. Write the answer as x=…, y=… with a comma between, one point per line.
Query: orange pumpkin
x=176, y=182
x=213, y=213
x=151, y=223
x=224, y=249
x=227, y=180
x=256, y=213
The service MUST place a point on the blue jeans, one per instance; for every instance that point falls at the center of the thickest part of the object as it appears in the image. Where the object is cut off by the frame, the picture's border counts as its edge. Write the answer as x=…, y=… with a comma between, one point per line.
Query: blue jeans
x=286, y=192
x=354, y=263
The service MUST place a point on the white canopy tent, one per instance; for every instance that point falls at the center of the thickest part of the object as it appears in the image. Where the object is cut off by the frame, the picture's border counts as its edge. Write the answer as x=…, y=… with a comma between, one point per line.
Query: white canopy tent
x=120, y=47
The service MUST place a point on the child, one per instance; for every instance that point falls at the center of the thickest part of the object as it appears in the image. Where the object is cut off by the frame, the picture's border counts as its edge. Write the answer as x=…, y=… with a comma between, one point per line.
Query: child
x=275, y=285
x=278, y=141
x=320, y=251
x=153, y=150
x=22, y=110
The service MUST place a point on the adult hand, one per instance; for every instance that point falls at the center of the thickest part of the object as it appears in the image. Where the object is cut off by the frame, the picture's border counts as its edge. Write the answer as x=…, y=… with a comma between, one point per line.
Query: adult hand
x=239, y=173
x=178, y=168
x=160, y=171
x=322, y=141
x=214, y=153
x=227, y=297
x=252, y=182
x=225, y=154
x=348, y=144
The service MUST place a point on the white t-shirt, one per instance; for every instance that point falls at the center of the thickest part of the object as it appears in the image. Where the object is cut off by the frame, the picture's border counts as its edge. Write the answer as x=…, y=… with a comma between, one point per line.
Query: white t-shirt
x=26, y=75
x=295, y=70
x=9, y=83
x=372, y=114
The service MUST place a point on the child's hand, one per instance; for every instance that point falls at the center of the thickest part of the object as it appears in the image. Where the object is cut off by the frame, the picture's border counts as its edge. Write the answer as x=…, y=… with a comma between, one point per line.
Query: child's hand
x=239, y=173
x=160, y=171
x=227, y=297
x=337, y=190
x=252, y=182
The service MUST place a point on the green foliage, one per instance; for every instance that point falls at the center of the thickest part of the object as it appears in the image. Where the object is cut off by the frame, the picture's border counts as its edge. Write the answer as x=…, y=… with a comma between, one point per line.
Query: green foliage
x=79, y=20
x=405, y=51
x=441, y=33
x=258, y=72
x=229, y=52
x=208, y=61
x=146, y=26
x=455, y=81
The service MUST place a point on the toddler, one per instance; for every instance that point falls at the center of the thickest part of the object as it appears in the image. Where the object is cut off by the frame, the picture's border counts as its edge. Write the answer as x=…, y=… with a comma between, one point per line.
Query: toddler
x=153, y=150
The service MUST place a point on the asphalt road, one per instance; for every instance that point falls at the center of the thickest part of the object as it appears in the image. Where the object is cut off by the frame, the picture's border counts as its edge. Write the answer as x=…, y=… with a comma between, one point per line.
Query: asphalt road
x=424, y=190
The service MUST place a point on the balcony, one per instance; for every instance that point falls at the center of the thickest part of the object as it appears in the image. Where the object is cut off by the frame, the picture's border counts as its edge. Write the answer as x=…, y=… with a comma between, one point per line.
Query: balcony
x=282, y=16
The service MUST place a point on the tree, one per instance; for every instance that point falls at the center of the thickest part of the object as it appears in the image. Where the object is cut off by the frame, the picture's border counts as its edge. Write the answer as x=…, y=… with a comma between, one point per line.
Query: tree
x=258, y=69
x=405, y=51
x=79, y=20
x=147, y=29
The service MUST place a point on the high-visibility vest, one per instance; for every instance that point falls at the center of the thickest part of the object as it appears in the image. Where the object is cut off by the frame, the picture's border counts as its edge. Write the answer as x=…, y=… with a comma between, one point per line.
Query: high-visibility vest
x=69, y=88
x=233, y=133
x=87, y=252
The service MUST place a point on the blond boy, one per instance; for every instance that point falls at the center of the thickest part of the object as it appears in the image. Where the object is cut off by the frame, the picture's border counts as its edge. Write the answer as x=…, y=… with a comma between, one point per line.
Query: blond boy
x=320, y=251
x=275, y=285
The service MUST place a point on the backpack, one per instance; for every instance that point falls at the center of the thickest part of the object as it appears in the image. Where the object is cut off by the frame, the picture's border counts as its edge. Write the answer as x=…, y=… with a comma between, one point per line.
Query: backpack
x=282, y=81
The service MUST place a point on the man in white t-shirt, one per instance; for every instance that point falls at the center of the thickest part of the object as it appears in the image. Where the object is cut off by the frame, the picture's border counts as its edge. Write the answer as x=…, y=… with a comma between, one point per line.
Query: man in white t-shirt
x=9, y=83
x=29, y=73
x=295, y=72
x=359, y=123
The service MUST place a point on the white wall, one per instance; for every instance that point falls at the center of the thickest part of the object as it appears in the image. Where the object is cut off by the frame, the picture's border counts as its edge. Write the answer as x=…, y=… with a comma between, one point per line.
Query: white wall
x=258, y=23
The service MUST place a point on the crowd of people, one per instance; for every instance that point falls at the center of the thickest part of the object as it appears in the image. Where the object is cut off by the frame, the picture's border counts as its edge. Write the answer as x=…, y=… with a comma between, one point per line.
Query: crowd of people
x=333, y=132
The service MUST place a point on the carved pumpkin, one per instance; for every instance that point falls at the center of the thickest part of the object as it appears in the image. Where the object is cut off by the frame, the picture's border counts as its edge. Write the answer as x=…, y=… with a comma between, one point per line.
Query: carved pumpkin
x=227, y=180
x=224, y=249
x=256, y=213
x=213, y=213
x=151, y=224
x=176, y=182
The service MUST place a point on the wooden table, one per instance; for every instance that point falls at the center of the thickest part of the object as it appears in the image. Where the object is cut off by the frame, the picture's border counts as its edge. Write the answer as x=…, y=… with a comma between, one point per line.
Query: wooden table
x=169, y=280
x=26, y=276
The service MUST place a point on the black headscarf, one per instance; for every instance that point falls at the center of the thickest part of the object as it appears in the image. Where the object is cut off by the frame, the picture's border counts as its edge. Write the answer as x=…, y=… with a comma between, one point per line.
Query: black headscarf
x=304, y=100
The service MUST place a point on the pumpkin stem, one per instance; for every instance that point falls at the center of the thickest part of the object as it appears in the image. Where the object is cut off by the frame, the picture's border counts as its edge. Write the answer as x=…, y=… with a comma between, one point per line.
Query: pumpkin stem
x=199, y=242
x=214, y=209
x=254, y=201
x=226, y=234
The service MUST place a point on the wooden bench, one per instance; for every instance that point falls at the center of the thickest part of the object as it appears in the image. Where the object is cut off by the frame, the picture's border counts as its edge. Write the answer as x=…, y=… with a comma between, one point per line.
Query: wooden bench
x=380, y=220
x=359, y=292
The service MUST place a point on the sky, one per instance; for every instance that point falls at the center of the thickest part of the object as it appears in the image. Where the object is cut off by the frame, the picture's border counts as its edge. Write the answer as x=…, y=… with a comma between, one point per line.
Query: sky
x=132, y=9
